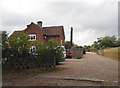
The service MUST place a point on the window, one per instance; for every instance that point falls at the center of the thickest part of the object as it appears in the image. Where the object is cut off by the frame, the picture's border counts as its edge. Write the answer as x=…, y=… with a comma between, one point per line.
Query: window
x=32, y=37
x=32, y=48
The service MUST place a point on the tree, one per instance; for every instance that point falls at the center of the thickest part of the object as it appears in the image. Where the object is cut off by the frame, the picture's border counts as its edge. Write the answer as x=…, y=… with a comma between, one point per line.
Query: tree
x=67, y=45
x=87, y=48
x=4, y=39
x=107, y=41
x=20, y=43
x=80, y=46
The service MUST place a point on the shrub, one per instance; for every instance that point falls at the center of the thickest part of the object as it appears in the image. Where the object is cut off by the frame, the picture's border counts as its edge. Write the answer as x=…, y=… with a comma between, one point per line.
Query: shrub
x=49, y=53
x=46, y=56
x=20, y=43
x=78, y=57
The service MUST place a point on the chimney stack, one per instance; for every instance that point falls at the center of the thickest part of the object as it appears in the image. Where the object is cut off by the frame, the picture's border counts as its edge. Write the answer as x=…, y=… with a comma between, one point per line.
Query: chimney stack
x=39, y=23
x=71, y=37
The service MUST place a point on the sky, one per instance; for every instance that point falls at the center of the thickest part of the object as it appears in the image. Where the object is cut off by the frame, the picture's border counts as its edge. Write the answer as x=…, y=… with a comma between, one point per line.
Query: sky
x=90, y=19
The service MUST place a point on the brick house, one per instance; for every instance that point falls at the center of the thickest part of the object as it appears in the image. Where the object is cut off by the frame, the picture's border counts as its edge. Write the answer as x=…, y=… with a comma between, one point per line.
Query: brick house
x=43, y=34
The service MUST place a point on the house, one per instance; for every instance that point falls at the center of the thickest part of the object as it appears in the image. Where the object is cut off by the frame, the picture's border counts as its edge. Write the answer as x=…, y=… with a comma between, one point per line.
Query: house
x=37, y=32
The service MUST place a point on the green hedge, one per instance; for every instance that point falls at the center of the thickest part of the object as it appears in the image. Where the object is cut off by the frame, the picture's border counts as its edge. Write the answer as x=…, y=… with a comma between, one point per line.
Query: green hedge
x=46, y=56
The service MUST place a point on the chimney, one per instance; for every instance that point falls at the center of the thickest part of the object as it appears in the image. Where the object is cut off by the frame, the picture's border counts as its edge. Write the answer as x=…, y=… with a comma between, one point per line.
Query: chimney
x=71, y=37
x=39, y=23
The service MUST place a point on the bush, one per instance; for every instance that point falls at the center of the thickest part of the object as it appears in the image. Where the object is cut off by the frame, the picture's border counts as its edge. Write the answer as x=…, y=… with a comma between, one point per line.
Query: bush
x=49, y=53
x=46, y=56
x=78, y=57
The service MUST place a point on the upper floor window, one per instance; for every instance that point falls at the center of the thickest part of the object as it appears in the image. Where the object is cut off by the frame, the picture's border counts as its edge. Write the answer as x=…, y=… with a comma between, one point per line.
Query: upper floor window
x=32, y=37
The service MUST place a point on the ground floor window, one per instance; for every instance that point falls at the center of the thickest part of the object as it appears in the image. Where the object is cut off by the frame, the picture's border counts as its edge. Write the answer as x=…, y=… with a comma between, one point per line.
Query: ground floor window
x=32, y=49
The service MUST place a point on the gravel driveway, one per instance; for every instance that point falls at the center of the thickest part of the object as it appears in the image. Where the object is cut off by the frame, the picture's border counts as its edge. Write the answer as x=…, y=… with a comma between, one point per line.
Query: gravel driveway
x=91, y=70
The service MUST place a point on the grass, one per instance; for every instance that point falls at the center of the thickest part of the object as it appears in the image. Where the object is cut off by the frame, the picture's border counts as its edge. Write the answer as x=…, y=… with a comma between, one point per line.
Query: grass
x=111, y=53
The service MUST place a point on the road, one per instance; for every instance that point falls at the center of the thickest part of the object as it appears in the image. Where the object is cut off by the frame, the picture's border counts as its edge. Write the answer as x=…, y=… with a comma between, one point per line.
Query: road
x=91, y=70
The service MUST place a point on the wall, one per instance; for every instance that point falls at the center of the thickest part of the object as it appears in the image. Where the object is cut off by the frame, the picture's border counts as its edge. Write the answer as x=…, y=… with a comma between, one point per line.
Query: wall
x=77, y=53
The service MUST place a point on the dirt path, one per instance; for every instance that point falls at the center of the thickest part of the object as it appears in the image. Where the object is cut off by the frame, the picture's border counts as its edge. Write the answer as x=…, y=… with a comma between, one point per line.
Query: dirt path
x=91, y=70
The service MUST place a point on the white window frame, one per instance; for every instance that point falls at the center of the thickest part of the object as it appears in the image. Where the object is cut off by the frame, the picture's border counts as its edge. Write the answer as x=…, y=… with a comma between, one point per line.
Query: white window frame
x=31, y=49
x=32, y=35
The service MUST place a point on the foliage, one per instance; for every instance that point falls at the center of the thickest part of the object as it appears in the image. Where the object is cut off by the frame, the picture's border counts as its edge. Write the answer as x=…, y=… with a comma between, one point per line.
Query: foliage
x=17, y=58
x=49, y=53
x=78, y=57
x=95, y=46
x=67, y=45
x=52, y=43
x=20, y=43
x=87, y=48
x=4, y=39
x=81, y=47
x=105, y=42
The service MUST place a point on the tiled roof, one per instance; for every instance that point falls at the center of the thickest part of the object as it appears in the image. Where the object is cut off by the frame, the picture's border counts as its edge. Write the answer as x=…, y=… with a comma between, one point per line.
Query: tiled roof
x=48, y=31
x=54, y=30
x=17, y=32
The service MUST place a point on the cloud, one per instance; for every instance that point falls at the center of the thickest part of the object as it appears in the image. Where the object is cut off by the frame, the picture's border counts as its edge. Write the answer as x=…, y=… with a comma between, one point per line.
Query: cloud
x=90, y=20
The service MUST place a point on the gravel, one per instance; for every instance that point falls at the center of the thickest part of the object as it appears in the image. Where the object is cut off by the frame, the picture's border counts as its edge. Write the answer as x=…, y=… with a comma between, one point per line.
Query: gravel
x=91, y=70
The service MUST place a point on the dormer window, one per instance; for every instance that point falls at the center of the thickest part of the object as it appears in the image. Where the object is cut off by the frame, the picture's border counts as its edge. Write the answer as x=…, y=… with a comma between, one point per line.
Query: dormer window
x=32, y=37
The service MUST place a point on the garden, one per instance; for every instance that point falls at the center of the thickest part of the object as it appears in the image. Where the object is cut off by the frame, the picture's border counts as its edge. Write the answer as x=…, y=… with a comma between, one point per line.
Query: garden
x=16, y=54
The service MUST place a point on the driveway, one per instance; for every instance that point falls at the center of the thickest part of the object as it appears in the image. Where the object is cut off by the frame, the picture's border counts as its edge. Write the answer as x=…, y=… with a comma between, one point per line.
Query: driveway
x=91, y=70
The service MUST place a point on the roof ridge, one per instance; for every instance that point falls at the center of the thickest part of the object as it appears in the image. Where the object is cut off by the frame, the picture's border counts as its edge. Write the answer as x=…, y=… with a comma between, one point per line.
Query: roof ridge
x=53, y=26
x=18, y=30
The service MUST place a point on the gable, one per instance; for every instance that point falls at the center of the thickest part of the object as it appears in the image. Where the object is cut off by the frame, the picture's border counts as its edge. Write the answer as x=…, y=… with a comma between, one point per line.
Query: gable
x=33, y=29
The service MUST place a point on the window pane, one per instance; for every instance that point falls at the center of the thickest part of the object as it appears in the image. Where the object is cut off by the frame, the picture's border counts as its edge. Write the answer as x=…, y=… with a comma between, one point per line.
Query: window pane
x=33, y=37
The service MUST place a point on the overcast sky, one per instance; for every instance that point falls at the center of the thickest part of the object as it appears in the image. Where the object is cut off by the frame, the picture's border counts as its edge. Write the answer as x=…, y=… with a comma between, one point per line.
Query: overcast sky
x=90, y=19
